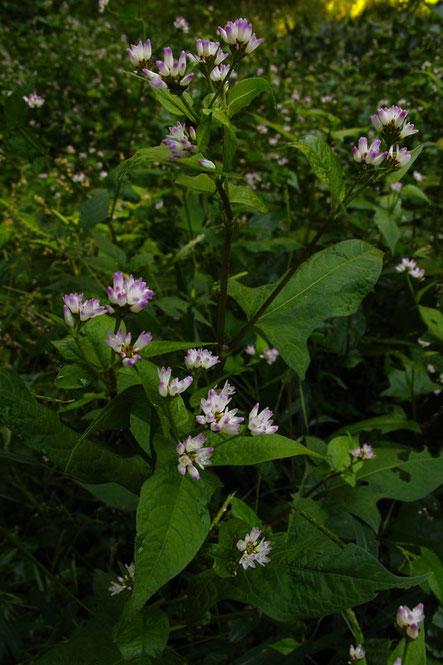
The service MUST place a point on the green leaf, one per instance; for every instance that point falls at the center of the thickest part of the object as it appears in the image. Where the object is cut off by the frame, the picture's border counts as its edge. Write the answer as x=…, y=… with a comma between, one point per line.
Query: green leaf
x=229, y=148
x=413, y=380
x=433, y=319
x=243, y=93
x=158, y=153
x=397, y=175
x=390, y=422
x=160, y=348
x=338, y=452
x=324, y=163
x=202, y=182
x=415, y=652
x=95, y=210
x=113, y=495
x=143, y=634
x=388, y=228
x=246, y=196
x=172, y=103
x=74, y=376
x=246, y=450
x=416, y=192
x=41, y=429
x=330, y=283
x=172, y=524
x=242, y=511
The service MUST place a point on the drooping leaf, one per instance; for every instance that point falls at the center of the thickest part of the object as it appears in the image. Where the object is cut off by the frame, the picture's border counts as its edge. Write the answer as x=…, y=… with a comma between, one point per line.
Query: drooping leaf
x=324, y=162
x=331, y=283
x=387, y=226
x=246, y=196
x=243, y=93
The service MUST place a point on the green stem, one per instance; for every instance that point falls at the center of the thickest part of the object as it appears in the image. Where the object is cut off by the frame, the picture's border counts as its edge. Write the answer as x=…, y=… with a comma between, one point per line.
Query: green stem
x=228, y=223
x=303, y=405
x=221, y=512
x=335, y=539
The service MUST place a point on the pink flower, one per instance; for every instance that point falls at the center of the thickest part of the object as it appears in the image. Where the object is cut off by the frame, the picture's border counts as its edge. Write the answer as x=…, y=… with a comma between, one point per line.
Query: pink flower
x=254, y=551
x=121, y=344
x=356, y=653
x=270, y=355
x=216, y=413
x=365, y=452
x=73, y=304
x=261, y=423
x=408, y=620
x=191, y=452
x=130, y=292
x=175, y=387
x=140, y=54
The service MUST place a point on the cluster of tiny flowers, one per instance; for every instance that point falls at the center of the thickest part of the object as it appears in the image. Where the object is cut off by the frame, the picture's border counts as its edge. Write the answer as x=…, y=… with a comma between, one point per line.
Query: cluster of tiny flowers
x=124, y=583
x=261, y=423
x=409, y=266
x=73, y=304
x=191, y=452
x=171, y=73
x=239, y=36
x=391, y=122
x=220, y=73
x=140, y=54
x=363, y=452
x=408, y=620
x=175, y=387
x=200, y=358
x=270, y=355
x=34, y=101
x=121, y=344
x=254, y=551
x=179, y=142
x=101, y=5
x=208, y=53
x=356, y=653
x=216, y=413
x=127, y=291
x=368, y=156
x=401, y=158
x=181, y=24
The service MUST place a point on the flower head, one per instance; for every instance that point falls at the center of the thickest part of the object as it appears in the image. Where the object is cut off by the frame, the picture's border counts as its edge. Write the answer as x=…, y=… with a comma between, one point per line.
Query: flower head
x=356, y=653
x=368, y=156
x=140, y=54
x=220, y=73
x=408, y=620
x=409, y=265
x=254, y=551
x=121, y=344
x=418, y=177
x=216, y=413
x=73, y=304
x=171, y=73
x=261, y=423
x=191, y=452
x=101, y=5
x=363, y=452
x=34, y=101
x=401, y=158
x=250, y=350
x=418, y=273
x=124, y=582
x=239, y=36
x=391, y=121
x=181, y=24
x=396, y=187
x=180, y=143
x=208, y=53
x=167, y=387
x=270, y=355
x=196, y=358
x=130, y=292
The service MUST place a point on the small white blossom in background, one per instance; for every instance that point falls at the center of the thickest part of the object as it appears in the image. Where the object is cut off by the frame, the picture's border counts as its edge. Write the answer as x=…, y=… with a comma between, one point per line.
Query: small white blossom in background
x=262, y=129
x=34, y=101
x=356, y=653
x=124, y=583
x=250, y=350
x=196, y=358
x=254, y=551
x=120, y=342
x=396, y=187
x=101, y=5
x=216, y=413
x=102, y=175
x=368, y=155
x=73, y=304
x=408, y=620
x=129, y=291
x=401, y=158
x=140, y=54
x=207, y=164
x=409, y=266
x=167, y=387
x=423, y=342
x=363, y=452
x=78, y=177
x=239, y=36
x=191, y=452
x=261, y=423
x=180, y=143
x=171, y=73
x=270, y=355
x=418, y=177
x=181, y=24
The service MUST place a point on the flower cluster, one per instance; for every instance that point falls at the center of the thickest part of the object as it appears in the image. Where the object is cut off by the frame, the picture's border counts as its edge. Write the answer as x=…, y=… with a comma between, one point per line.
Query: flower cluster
x=408, y=620
x=254, y=551
x=409, y=266
x=368, y=156
x=180, y=143
x=356, y=653
x=261, y=423
x=191, y=452
x=239, y=36
x=171, y=73
x=200, y=358
x=34, y=101
x=181, y=24
x=129, y=292
x=140, y=54
x=270, y=355
x=73, y=304
x=363, y=452
x=208, y=53
x=175, y=387
x=401, y=158
x=102, y=4
x=125, y=582
x=121, y=344
x=216, y=413
x=391, y=122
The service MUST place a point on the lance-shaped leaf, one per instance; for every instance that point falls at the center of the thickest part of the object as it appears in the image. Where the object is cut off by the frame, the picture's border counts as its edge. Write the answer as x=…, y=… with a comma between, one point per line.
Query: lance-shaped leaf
x=324, y=163
x=245, y=450
x=332, y=282
x=245, y=92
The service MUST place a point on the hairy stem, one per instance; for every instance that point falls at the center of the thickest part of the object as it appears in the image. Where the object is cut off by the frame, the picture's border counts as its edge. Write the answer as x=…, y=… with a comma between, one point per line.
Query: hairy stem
x=228, y=223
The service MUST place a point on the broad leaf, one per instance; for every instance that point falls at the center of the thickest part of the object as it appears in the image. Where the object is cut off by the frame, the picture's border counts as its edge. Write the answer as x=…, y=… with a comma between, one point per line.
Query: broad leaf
x=246, y=196
x=78, y=375
x=142, y=635
x=330, y=283
x=387, y=226
x=95, y=210
x=433, y=319
x=245, y=92
x=324, y=163
x=390, y=422
x=246, y=450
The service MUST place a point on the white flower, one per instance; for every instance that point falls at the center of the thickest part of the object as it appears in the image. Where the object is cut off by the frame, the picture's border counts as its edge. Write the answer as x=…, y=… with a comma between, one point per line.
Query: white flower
x=191, y=452
x=239, y=35
x=419, y=177
x=34, y=101
x=220, y=73
x=101, y=5
x=408, y=620
x=365, y=452
x=129, y=291
x=140, y=54
x=178, y=141
x=250, y=350
x=401, y=158
x=124, y=583
x=216, y=412
x=270, y=355
x=73, y=304
x=418, y=273
x=196, y=358
x=171, y=73
x=396, y=187
x=209, y=52
x=356, y=653
x=207, y=164
x=406, y=265
x=121, y=344
x=167, y=387
x=391, y=121
x=181, y=24
x=254, y=551
x=261, y=423
x=368, y=155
